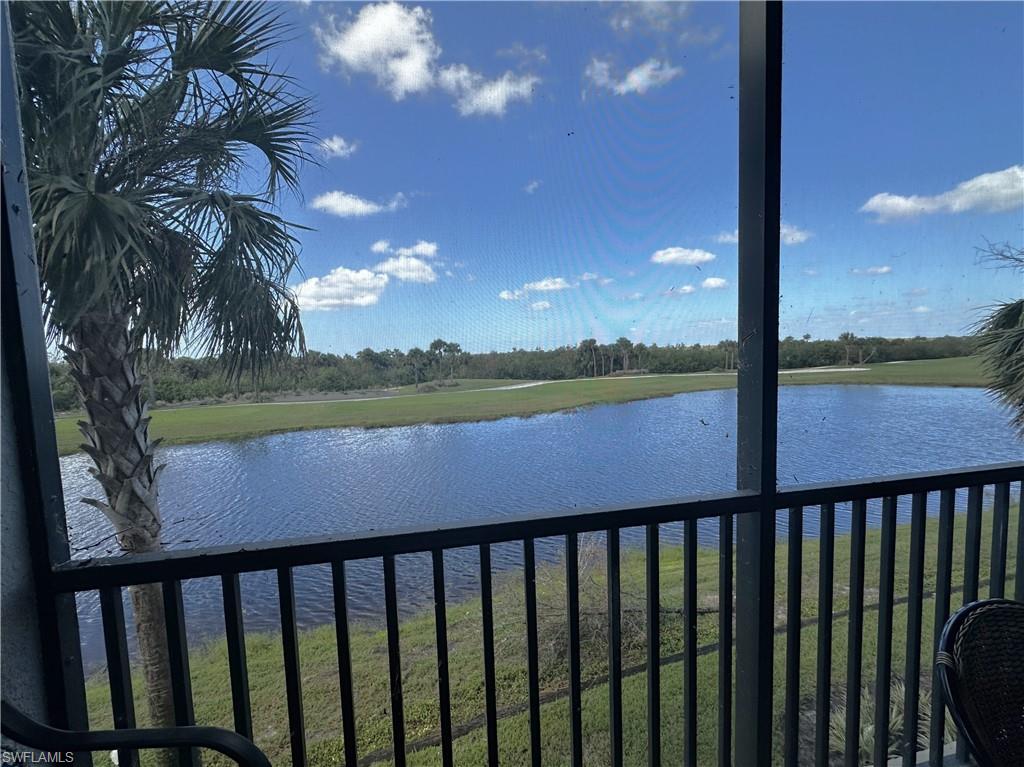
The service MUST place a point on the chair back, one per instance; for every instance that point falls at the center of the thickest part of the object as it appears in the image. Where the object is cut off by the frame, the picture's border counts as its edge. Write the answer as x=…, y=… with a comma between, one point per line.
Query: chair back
x=981, y=666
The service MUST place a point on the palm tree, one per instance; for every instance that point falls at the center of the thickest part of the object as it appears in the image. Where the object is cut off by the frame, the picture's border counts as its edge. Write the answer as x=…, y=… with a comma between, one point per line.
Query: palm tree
x=1001, y=339
x=141, y=121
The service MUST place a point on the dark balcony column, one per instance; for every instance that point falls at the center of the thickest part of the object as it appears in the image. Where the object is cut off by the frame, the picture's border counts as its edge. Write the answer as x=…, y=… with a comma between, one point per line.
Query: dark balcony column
x=757, y=399
x=34, y=513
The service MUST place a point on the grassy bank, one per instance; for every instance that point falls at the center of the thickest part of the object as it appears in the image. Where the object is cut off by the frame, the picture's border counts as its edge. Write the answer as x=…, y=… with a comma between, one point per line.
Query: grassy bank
x=480, y=402
x=320, y=668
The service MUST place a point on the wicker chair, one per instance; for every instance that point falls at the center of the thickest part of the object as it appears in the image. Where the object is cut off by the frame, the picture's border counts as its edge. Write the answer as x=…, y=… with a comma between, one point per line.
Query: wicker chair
x=981, y=665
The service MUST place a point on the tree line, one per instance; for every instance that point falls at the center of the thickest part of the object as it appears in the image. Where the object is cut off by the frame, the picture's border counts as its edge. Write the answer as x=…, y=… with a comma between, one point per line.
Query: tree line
x=184, y=379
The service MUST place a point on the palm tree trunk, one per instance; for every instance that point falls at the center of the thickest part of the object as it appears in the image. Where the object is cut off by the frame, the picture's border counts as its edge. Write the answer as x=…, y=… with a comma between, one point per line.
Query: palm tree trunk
x=104, y=365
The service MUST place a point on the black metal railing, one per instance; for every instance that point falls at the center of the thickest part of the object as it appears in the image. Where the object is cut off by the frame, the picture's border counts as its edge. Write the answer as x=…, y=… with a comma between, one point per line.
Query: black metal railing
x=912, y=497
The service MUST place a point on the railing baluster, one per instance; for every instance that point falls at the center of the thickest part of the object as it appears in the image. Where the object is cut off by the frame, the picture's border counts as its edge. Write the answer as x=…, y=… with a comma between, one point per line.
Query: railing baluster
x=234, y=634
x=1018, y=569
x=119, y=672
x=614, y=650
x=490, y=694
x=441, y=638
x=823, y=696
x=394, y=661
x=794, y=575
x=653, y=589
x=177, y=654
x=1000, y=523
x=725, y=539
x=972, y=568
x=292, y=672
x=912, y=676
x=532, y=657
x=883, y=671
x=858, y=521
x=348, y=712
x=690, y=642
x=572, y=608
x=944, y=574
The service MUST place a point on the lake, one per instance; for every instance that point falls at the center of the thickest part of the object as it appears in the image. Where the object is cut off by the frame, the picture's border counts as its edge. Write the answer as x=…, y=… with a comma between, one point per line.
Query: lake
x=342, y=480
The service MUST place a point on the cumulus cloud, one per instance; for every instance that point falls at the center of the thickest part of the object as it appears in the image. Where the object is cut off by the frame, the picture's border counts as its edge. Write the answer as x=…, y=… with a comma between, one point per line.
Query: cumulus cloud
x=653, y=73
x=540, y=306
x=714, y=283
x=588, y=276
x=510, y=295
x=421, y=248
x=395, y=44
x=682, y=256
x=989, y=193
x=548, y=283
x=476, y=95
x=680, y=290
x=336, y=146
x=532, y=186
x=651, y=17
x=872, y=270
x=792, y=235
x=921, y=309
x=381, y=246
x=789, y=234
x=342, y=287
x=407, y=269
x=348, y=205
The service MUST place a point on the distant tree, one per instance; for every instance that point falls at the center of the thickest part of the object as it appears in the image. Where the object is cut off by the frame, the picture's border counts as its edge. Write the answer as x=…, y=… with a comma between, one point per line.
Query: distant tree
x=418, y=361
x=586, y=357
x=625, y=347
x=848, y=340
x=1001, y=338
x=453, y=355
x=639, y=349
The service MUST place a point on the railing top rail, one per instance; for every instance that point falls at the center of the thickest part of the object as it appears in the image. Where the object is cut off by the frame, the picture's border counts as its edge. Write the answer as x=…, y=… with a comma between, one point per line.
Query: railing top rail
x=87, y=574
x=81, y=575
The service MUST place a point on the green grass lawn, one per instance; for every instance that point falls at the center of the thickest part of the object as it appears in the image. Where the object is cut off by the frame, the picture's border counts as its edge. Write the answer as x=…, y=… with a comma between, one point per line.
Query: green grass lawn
x=472, y=401
x=320, y=667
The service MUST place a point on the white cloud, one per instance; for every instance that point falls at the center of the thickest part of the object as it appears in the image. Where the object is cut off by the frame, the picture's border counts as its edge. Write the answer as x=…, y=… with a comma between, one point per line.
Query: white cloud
x=525, y=55
x=476, y=95
x=540, y=306
x=547, y=284
x=407, y=269
x=990, y=193
x=533, y=186
x=700, y=36
x=682, y=256
x=635, y=296
x=510, y=295
x=348, y=205
x=336, y=146
x=381, y=246
x=714, y=283
x=588, y=276
x=792, y=235
x=606, y=280
x=340, y=288
x=395, y=44
x=421, y=248
x=873, y=270
x=653, y=73
x=680, y=290
x=648, y=16
x=921, y=310
x=917, y=292
x=811, y=272
x=392, y=42
x=788, y=235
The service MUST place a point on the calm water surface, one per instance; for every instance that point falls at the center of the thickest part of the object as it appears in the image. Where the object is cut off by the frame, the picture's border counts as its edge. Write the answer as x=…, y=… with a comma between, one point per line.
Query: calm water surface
x=343, y=480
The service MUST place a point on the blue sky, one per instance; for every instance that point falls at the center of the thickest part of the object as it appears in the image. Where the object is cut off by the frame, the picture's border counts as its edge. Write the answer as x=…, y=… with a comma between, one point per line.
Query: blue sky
x=527, y=175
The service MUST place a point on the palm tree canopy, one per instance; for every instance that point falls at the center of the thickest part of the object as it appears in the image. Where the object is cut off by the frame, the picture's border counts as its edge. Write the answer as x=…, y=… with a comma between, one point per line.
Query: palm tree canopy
x=143, y=122
x=1001, y=338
